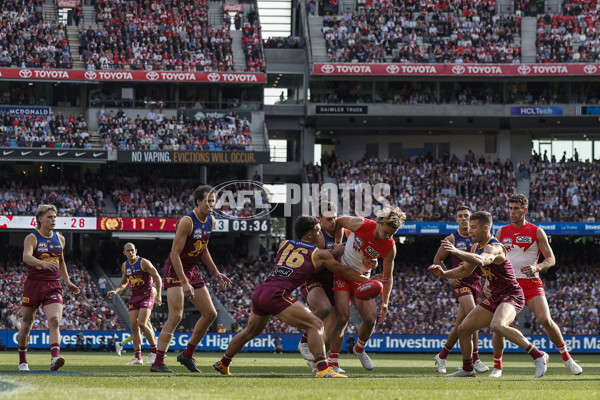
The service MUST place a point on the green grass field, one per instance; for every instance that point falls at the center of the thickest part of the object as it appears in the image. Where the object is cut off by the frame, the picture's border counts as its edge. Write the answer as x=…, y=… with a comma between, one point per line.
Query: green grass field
x=269, y=376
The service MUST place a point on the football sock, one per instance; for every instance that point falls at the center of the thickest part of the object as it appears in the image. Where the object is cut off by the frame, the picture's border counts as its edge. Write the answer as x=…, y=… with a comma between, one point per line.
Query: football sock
x=498, y=361
x=55, y=350
x=22, y=354
x=322, y=363
x=160, y=358
x=467, y=365
x=334, y=358
x=444, y=353
x=138, y=353
x=533, y=351
x=360, y=344
x=564, y=353
x=189, y=351
x=153, y=349
x=475, y=354
x=226, y=360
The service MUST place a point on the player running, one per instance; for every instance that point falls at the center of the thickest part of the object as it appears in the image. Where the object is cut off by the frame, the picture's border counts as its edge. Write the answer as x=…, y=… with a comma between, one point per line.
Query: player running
x=139, y=273
x=295, y=261
x=43, y=253
x=369, y=240
x=524, y=242
x=466, y=291
x=505, y=302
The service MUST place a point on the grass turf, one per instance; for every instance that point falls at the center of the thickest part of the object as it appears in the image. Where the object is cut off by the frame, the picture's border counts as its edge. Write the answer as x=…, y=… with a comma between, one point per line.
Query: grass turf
x=269, y=376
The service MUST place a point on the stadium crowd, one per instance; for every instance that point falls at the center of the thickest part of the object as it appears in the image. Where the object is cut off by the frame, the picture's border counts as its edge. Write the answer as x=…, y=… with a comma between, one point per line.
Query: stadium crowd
x=152, y=35
x=252, y=43
x=157, y=131
x=430, y=189
x=85, y=311
x=52, y=131
x=289, y=42
x=27, y=41
x=569, y=36
x=429, y=31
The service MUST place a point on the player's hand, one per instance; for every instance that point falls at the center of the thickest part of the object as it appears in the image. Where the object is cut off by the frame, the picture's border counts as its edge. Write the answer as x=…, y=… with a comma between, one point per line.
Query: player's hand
x=449, y=247
x=49, y=265
x=110, y=293
x=436, y=269
x=486, y=289
x=338, y=250
x=530, y=270
x=455, y=282
x=369, y=263
x=378, y=277
x=188, y=290
x=225, y=281
x=73, y=288
x=383, y=313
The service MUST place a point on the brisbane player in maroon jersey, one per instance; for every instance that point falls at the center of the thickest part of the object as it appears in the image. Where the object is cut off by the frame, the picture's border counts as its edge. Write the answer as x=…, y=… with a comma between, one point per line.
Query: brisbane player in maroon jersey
x=43, y=253
x=505, y=302
x=139, y=273
x=296, y=260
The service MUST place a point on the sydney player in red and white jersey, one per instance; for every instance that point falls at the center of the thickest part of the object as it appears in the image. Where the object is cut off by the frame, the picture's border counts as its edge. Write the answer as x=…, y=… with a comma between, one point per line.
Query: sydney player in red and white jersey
x=524, y=241
x=369, y=240
x=505, y=299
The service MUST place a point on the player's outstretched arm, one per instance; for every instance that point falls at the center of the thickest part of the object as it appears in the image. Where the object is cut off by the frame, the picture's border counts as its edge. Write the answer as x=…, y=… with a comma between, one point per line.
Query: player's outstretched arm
x=323, y=258
x=388, y=281
x=462, y=271
x=352, y=223
x=442, y=253
x=491, y=254
x=122, y=285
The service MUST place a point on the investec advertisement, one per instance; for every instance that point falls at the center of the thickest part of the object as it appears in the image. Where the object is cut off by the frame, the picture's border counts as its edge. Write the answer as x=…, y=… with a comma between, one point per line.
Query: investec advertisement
x=266, y=342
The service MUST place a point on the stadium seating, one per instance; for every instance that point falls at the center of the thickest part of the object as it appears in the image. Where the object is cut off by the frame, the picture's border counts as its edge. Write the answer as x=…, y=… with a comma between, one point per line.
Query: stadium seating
x=28, y=41
x=148, y=35
x=432, y=31
x=53, y=131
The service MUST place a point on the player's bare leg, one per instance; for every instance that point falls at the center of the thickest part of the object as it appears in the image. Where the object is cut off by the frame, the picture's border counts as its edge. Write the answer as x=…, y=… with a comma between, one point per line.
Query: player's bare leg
x=475, y=320
x=27, y=317
x=498, y=344
x=204, y=304
x=503, y=317
x=175, y=301
x=464, y=307
x=539, y=306
x=143, y=321
x=342, y=315
x=137, y=338
x=320, y=306
x=54, y=314
x=368, y=313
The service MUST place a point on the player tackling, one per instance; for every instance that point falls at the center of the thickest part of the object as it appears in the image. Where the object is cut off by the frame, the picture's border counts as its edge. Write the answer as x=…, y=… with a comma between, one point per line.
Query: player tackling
x=505, y=302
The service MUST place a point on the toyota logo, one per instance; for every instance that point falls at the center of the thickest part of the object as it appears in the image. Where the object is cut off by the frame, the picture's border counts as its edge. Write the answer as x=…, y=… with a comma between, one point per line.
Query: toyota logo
x=327, y=68
x=590, y=69
x=392, y=69
x=524, y=69
x=90, y=75
x=25, y=73
x=152, y=76
x=458, y=70
x=214, y=77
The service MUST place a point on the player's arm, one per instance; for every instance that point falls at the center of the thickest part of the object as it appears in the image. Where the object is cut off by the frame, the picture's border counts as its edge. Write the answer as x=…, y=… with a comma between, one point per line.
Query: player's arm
x=442, y=253
x=546, y=250
x=491, y=254
x=323, y=258
x=28, y=258
x=122, y=285
x=352, y=223
x=184, y=227
x=498, y=234
x=388, y=281
x=62, y=268
x=151, y=270
x=206, y=257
